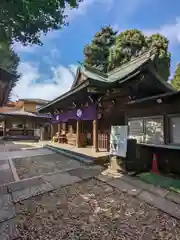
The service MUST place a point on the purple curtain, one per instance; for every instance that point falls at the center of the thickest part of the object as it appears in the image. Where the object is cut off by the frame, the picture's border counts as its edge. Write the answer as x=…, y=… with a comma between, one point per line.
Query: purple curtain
x=88, y=113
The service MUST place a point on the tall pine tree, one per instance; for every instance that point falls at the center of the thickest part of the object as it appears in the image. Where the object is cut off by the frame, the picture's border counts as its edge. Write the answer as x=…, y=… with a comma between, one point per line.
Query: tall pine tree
x=97, y=53
x=108, y=50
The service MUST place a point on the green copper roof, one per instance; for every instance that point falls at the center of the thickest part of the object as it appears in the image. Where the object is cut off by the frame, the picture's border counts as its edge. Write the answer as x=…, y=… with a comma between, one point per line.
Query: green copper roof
x=94, y=75
x=128, y=68
x=118, y=73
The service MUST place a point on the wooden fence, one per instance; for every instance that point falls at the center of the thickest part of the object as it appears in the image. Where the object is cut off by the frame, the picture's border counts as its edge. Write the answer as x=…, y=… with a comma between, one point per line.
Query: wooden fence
x=104, y=141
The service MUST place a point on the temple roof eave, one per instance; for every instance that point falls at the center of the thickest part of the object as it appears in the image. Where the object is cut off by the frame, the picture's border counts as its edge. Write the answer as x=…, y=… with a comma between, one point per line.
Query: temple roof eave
x=23, y=114
x=116, y=77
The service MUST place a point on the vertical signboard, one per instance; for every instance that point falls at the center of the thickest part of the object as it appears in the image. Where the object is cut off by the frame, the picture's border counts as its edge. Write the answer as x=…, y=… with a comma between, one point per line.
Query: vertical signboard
x=118, y=141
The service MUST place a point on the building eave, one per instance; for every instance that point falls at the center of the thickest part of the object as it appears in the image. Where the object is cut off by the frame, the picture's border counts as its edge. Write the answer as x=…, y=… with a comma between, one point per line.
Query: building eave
x=65, y=95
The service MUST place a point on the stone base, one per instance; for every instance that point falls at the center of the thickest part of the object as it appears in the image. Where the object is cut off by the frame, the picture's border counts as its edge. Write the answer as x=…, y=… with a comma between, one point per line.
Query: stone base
x=115, y=164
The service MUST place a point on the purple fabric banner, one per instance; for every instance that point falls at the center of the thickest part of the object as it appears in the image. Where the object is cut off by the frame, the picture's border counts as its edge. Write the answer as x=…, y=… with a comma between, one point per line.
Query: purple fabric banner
x=87, y=113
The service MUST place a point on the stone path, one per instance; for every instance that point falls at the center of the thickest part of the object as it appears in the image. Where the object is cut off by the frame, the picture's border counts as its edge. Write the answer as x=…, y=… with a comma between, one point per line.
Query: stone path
x=62, y=206
x=162, y=199
x=72, y=177
x=17, y=192
x=11, y=151
x=6, y=174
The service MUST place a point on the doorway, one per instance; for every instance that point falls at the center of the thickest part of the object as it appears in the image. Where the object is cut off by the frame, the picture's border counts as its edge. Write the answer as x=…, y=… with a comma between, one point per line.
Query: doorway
x=86, y=127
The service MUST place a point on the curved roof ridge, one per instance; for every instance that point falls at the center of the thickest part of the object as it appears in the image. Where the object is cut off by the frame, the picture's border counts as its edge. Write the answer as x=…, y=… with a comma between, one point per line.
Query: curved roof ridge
x=146, y=56
x=93, y=70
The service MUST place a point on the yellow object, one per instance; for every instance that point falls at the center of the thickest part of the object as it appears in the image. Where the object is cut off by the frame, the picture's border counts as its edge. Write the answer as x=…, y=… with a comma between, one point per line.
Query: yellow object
x=54, y=139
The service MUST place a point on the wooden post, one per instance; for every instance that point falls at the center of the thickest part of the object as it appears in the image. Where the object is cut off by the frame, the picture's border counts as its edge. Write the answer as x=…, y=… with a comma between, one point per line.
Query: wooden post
x=52, y=131
x=59, y=127
x=77, y=133
x=4, y=129
x=42, y=138
x=24, y=127
x=95, y=135
x=33, y=128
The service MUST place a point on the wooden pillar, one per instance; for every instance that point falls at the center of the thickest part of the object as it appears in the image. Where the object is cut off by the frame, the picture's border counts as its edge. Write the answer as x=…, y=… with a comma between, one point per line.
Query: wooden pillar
x=59, y=127
x=42, y=138
x=4, y=129
x=24, y=127
x=95, y=135
x=52, y=131
x=77, y=133
x=33, y=128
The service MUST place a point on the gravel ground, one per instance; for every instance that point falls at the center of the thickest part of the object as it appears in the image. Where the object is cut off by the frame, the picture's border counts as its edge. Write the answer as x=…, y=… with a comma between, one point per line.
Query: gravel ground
x=35, y=166
x=92, y=210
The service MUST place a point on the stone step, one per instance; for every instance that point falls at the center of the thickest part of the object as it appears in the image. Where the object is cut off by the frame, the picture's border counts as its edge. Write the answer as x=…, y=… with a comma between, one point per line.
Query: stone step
x=124, y=187
x=161, y=203
x=162, y=192
x=75, y=155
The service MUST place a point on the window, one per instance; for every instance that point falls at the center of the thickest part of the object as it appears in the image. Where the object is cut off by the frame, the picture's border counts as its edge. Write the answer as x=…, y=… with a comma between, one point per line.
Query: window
x=136, y=129
x=148, y=130
x=154, y=130
x=175, y=130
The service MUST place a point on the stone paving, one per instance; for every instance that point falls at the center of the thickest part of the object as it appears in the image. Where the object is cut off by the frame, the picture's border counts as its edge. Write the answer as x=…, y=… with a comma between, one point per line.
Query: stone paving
x=60, y=198
x=6, y=175
x=32, y=166
x=10, y=151
x=162, y=199
x=89, y=209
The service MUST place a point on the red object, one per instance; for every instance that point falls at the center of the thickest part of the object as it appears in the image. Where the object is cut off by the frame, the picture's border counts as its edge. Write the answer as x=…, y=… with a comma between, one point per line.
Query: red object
x=155, y=165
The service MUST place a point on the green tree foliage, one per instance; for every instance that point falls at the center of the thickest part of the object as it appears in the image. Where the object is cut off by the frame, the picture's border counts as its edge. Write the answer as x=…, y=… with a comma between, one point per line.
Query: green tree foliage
x=97, y=53
x=126, y=46
x=162, y=60
x=176, y=79
x=25, y=20
x=9, y=61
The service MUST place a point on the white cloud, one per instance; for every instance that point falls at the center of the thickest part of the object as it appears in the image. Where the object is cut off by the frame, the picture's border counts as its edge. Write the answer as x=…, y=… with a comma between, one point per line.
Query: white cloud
x=171, y=31
x=55, y=53
x=60, y=83
x=51, y=55
x=83, y=8
x=19, y=48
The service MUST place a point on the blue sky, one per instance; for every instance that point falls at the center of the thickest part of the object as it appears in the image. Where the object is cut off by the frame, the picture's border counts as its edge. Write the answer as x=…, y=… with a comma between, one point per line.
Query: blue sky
x=46, y=72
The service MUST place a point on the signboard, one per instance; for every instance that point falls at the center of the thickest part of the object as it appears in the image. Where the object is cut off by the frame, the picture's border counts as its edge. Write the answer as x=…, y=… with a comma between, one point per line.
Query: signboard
x=118, y=140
